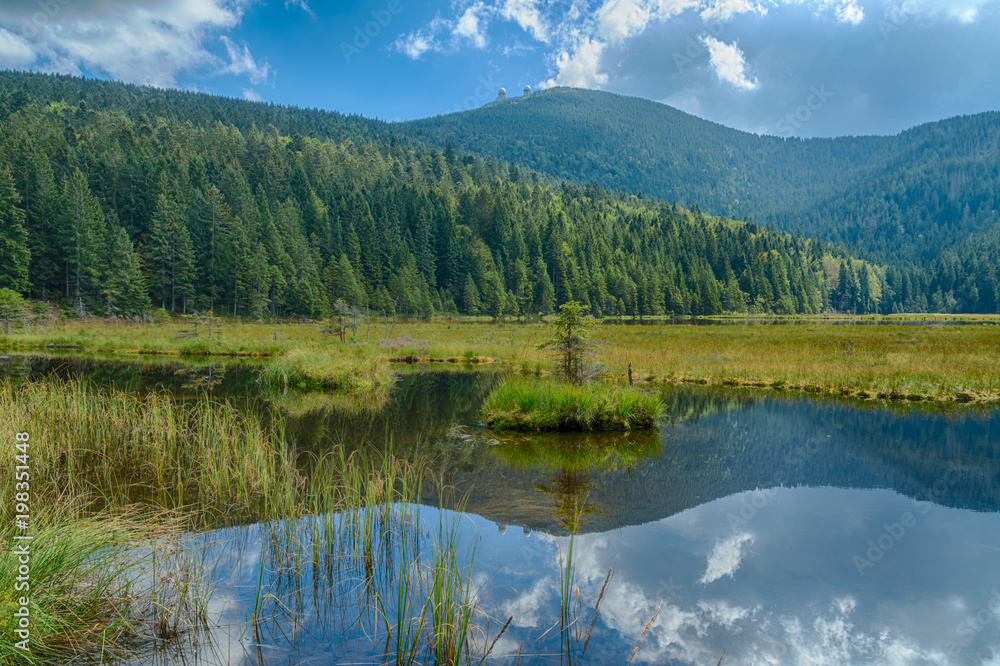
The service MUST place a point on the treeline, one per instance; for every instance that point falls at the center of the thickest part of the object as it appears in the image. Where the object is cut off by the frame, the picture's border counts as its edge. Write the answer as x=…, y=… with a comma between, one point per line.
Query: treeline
x=924, y=201
x=115, y=212
x=113, y=215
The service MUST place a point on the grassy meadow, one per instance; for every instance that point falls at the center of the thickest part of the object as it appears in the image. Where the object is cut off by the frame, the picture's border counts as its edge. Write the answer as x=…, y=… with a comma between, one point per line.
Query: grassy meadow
x=887, y=361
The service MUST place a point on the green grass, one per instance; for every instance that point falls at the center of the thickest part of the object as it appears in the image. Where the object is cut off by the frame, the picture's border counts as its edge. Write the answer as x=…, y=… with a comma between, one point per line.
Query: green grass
x=539, y=406
x=79, y=592
x=119, y=479
x=348, y=369
x=111, y=468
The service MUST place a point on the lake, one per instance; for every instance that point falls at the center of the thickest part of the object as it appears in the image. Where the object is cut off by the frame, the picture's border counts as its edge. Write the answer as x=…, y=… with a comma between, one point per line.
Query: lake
x=771, y=527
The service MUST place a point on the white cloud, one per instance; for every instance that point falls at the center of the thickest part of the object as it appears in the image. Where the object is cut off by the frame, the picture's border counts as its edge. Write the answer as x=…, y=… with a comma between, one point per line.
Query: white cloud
x=618, y=20
x=14, y=50
x=444, y=36
x=528, y=16
x=529, y=608
x=723, y=613
x=252, y=95
x=580, y=68
x=137, y=41
x=241, y=62
x=470, y=26
x=301, y=4
x=729, y=63
x=850, y=12
x=415, y=44
x=723, y=10
x=725, y=558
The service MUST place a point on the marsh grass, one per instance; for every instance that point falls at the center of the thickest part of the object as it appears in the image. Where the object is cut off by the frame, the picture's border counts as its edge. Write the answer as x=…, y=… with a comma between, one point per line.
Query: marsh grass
x=81, y=591
x=538, y=406
x=331, y=369
x=888, y=362
x=111, y=468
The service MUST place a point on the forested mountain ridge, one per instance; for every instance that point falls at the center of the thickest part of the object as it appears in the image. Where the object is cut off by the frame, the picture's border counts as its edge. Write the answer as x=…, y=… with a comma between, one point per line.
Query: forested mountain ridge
x=18, y=89
x=116, y=210
x=901, y=197
x=641, y=146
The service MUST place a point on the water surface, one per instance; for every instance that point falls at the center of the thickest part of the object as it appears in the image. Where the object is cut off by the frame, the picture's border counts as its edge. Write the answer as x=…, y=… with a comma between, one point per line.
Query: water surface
x=776, y=528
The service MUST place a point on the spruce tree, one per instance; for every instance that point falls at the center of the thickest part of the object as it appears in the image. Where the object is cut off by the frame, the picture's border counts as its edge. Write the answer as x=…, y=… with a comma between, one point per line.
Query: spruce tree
x=124, y=288
x=83, y=241
x=15, y=256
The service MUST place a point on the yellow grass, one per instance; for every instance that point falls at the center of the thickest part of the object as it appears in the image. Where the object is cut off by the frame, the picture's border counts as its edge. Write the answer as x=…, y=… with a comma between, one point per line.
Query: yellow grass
x=926, y=362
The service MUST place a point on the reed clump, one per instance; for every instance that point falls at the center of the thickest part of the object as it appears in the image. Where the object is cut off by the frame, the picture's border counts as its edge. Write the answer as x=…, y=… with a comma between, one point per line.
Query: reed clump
x=81, y=592
x=539, y=406
x=331, y=369
x=111, y=469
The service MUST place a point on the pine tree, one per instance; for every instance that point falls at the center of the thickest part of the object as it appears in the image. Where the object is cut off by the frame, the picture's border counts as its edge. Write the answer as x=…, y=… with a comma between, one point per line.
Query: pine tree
x=544, y=299
x=15, y=255
x=570, y=343
x=343, y=284
x=83, y=240
x=13, y=309
x=494, y=295
x=470, y=297
x=216, y=256
x=124, y=288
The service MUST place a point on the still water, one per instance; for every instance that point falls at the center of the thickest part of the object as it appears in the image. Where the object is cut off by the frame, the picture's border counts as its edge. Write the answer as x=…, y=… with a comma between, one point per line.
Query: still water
x=773, y=528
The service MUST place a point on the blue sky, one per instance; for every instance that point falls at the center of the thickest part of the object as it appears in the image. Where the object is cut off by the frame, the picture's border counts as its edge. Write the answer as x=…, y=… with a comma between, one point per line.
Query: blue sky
x=784, y=67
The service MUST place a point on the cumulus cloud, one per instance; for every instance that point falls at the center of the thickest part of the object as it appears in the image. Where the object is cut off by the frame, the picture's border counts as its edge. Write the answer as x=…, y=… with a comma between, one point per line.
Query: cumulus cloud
x=528, y=16
x=724, y=10
x=137, y=41
x=725, y=558
x=850, y=12
x=580, y=67
x=252, y=95
x=415, y=44
x=530, y=607
x=14, y=50
x=618, y=20
x=729, y=62
x=445, y=36
x=470, y=27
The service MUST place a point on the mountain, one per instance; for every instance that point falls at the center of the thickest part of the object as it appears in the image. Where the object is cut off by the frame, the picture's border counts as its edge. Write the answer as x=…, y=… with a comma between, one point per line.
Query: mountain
x=114, y=198
x=905, y=197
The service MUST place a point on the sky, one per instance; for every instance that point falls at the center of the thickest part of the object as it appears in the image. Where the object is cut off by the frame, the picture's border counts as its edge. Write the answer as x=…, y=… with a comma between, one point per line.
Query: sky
x=781, y=67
